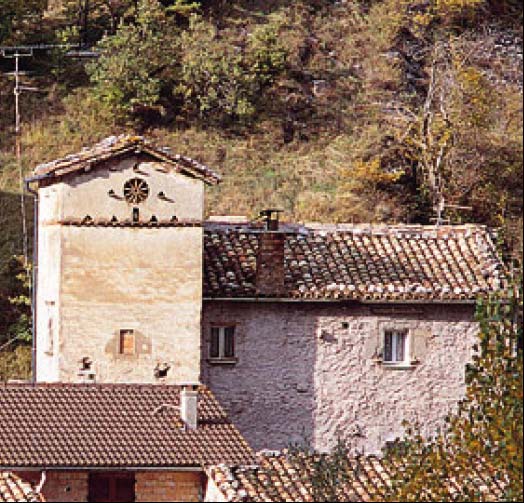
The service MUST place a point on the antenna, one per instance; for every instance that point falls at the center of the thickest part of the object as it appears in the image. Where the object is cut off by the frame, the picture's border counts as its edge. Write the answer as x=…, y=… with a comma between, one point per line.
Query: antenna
x=17, y=90
x=27, y=51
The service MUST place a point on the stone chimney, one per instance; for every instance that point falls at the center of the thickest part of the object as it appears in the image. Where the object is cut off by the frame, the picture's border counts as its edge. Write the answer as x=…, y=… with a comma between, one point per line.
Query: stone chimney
x=189, y=405
x=270, y=259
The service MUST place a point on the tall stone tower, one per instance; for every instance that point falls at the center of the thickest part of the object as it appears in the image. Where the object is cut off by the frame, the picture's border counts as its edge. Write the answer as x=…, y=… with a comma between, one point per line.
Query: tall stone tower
x=119, y=269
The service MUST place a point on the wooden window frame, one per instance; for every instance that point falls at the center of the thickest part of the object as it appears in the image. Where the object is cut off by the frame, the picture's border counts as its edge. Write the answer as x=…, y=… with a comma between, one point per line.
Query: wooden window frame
x=121, y=343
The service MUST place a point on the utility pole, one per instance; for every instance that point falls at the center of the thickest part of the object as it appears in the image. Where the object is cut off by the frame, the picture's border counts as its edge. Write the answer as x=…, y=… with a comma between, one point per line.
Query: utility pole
x=16, y=53
x=17, y=90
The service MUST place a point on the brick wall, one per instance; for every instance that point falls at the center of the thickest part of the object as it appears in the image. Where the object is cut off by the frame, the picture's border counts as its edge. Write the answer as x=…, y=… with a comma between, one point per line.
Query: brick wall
x=168, y=486
x=150, y=486
x=310, y=370
x=68, y=486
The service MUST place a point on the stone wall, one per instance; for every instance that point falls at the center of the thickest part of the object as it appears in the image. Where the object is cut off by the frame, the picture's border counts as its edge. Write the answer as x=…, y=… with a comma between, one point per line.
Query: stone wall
x=307, y=371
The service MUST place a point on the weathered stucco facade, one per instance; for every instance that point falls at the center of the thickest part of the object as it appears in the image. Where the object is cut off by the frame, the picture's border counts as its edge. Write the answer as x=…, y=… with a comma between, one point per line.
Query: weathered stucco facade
x=309, y=370
x=96, y=280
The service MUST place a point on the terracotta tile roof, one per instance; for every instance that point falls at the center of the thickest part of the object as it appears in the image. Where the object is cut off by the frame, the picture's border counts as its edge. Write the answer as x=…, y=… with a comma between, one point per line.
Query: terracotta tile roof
x=14, y=489
x=280, y=477
x=358, y=262
x=115, y=146
x=91, y=425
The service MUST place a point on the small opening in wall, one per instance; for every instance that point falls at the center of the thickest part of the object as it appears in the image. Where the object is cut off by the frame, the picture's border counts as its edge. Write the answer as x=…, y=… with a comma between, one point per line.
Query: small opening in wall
x=161, y=370
x=85, y=363
x=136, y=215
x=345, y=325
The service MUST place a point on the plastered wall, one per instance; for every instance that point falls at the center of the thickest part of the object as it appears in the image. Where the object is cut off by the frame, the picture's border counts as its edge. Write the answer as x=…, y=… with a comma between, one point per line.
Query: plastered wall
x=94, y=281
x=307, y=371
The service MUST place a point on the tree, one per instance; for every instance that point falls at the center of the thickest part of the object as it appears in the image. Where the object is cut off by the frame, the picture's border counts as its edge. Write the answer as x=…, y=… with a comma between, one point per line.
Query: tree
x=222, y=81
x=15, y=322
x=137, y=65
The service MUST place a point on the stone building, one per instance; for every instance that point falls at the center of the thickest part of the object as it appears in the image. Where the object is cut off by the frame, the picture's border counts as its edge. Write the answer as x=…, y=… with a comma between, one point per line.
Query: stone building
x=302, y=332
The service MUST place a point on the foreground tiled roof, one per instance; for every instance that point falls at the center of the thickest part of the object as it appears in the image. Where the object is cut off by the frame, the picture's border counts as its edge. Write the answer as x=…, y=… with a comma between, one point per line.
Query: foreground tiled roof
x=88, y=425
x=14, y=489
x=115, y=146
x=283, y=477
x=358, y=262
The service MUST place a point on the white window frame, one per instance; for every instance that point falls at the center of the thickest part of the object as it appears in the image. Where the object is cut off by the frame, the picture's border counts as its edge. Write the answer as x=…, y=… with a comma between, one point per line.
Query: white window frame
x=222, y=343
x=396, y=330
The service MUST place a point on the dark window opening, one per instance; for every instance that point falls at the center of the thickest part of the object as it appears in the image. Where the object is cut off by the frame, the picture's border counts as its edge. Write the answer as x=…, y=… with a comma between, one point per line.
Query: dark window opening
x=136, y=215
x=222, y=342
x=114, y=487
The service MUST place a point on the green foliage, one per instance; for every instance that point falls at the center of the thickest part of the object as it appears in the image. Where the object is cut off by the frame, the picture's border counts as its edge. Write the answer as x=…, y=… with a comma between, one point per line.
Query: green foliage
x=15, y=316
x=224, y=81
x=137, y=63
x=328, y=475
x=183, y=7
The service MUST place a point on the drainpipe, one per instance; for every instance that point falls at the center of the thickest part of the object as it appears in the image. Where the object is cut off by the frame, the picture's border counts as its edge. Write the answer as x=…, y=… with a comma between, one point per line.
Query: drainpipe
x=34, y=193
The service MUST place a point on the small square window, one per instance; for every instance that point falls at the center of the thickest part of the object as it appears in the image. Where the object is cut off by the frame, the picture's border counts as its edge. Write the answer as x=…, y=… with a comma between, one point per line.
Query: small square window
x=396, y=346
x=127, y=342
x=222, y=345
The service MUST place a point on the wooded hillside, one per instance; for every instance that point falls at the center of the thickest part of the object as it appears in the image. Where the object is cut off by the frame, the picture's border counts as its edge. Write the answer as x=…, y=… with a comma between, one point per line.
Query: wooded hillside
x=334, y=111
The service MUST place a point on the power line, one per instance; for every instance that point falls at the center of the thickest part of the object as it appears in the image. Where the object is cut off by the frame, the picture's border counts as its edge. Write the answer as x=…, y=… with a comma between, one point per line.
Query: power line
x=16, y=53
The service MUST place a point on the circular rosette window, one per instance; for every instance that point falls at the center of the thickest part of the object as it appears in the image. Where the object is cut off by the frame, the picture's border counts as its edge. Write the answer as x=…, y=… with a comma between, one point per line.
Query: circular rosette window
x=136, y=191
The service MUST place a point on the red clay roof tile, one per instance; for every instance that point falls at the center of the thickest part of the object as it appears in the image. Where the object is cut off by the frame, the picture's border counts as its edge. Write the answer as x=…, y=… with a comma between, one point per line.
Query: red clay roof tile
x=358, y=262
x=115, y=146
x=14, y=489
x=285, y=477
x=111, y=425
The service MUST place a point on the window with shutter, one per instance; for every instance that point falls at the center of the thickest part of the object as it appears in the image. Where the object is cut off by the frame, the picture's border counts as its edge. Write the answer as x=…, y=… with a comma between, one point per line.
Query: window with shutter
x=214, y=351
x=229, y=342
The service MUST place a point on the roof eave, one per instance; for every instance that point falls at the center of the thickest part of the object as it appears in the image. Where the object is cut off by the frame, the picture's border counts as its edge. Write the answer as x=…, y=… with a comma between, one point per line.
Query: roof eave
x=210, y=178
x=32, y=468
x=342, y=300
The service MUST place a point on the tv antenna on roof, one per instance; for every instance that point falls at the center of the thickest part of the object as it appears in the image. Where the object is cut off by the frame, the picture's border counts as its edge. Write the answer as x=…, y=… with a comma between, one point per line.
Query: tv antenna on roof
x=16, y=53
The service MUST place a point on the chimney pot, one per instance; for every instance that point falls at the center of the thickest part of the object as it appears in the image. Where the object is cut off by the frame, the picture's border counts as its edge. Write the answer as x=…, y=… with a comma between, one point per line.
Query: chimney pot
x=189, y=404
x=271, y=217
